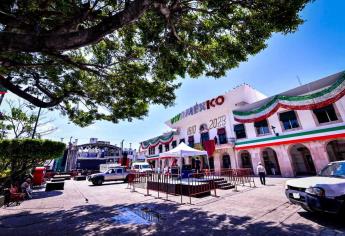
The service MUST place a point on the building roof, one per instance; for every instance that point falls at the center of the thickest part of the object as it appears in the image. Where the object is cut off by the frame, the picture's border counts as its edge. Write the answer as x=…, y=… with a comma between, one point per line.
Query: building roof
x=98, y=145
x=309, y=96
x=162, y=139
x=300, y=90
x=240, y=93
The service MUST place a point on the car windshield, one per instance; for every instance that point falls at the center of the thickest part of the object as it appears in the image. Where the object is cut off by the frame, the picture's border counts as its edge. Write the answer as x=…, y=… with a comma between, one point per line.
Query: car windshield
x=145, y=167
x=336, y=169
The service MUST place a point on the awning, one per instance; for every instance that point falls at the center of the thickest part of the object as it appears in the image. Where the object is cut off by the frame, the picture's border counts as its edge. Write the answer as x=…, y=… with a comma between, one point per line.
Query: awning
x=182, y=150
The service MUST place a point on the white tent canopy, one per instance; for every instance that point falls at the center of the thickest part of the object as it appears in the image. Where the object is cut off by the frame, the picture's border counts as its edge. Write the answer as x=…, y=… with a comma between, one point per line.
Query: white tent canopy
x=182, y=150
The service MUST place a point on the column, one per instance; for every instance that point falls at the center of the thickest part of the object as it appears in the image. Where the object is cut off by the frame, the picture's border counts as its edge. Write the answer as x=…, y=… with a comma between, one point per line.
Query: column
x=284, y=160
x=235, y=158
x=217, y=162
x=318, y=154
x=255, y=156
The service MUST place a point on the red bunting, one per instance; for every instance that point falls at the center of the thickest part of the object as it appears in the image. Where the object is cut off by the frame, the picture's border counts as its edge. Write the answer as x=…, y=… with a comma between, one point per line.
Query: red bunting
x=209, y=146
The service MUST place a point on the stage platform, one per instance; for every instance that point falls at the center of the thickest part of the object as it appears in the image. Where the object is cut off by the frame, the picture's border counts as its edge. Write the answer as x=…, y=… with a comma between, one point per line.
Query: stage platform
x=193, y=186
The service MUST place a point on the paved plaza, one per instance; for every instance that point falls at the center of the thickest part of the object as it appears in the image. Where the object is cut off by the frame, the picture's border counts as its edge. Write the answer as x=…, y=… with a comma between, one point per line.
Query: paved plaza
x=82, y=209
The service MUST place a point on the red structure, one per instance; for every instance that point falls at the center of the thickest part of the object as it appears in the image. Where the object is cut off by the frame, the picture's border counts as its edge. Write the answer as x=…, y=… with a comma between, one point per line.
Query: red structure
x=39, y=175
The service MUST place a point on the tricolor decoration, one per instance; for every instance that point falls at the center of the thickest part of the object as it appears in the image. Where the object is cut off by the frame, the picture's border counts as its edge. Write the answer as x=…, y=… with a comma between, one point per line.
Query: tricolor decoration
x=163, y=139
x=310, y=101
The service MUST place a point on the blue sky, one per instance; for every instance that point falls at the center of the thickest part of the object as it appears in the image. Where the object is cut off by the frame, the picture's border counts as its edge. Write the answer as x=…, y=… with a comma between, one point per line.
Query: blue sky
x=316, y=50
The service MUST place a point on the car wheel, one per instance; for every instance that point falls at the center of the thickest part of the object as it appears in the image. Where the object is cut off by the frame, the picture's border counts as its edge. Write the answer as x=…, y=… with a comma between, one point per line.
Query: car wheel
x=126, y=179
x=99, y=182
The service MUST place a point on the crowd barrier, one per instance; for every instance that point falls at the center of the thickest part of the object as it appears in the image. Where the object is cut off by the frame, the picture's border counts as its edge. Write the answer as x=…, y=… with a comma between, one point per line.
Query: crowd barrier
x=195, y=185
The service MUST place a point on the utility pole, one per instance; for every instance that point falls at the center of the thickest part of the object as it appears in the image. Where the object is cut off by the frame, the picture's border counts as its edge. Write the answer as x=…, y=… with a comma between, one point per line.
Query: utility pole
x=122, y=151
x=69, y=155
x=122, y=146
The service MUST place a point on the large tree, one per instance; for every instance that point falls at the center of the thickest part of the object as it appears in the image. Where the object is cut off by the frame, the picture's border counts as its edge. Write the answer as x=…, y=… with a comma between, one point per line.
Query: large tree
x=110, y=59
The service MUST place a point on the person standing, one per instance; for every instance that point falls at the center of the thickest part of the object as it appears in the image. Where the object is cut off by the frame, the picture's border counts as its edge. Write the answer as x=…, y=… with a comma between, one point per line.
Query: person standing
x=273, y=169
x=197, y=165
x=262, y=173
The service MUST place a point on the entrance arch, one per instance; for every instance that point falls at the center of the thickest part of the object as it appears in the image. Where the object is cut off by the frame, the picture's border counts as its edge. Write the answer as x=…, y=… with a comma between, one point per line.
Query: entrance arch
x=270, y=160
x=336, y=150
x=246, y=160
x=302, y=161
x=226, y=161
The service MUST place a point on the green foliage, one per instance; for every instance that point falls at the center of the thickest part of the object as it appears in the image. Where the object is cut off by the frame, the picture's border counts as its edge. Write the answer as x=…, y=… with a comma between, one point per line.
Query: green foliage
x=20, y=155
x=19, y=120
x=118, y=69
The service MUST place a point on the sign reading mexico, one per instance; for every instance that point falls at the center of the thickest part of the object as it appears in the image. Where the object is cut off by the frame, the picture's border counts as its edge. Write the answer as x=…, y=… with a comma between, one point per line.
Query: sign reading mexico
x=198, y=108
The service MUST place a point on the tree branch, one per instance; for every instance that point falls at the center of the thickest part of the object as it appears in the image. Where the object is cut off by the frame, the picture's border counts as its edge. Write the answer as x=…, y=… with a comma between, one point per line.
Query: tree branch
x=52, y=41
x=35, y=101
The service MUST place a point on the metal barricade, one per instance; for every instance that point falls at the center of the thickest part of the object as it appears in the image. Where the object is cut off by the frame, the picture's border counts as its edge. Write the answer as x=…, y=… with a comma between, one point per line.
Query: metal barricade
x=200, y=183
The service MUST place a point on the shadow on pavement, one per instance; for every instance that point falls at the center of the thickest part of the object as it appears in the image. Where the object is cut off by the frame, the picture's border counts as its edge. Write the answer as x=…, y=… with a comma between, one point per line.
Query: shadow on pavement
x=97, y=220
x=326, y=220
x=43, y=194
x=107, y=183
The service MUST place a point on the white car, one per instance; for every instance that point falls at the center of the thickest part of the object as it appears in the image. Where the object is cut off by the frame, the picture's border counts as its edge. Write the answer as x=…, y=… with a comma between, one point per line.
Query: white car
x=141, y=167
x=323, y=193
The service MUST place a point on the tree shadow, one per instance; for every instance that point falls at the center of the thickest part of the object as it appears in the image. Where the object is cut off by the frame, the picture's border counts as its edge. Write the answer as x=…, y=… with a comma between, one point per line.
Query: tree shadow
x=42, y=194
x=107, y=183
x=176, y=220
x=325, y=219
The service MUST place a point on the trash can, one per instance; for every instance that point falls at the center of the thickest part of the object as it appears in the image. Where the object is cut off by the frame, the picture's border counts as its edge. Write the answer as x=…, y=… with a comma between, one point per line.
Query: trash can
x=38, y=176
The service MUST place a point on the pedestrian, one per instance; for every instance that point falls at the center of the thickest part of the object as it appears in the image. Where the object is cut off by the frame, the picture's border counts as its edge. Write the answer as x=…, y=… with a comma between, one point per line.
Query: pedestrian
x=197, y=165
x=273, y=169
x=262, y=173
x=26, y=188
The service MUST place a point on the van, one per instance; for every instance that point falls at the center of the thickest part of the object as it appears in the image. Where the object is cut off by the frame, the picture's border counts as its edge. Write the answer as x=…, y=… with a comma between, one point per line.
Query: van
x=141, y=167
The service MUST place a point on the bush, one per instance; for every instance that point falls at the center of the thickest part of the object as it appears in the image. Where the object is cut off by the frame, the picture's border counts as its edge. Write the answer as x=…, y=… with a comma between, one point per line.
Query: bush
x=21, y=155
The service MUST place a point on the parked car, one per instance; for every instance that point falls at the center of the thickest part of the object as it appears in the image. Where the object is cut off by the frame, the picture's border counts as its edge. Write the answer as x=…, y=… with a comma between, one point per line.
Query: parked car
x=322, y=193
x=141, y=167
x=117, y=173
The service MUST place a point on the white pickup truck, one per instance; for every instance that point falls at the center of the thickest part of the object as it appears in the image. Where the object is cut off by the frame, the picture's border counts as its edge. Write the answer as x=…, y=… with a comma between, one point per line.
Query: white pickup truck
x=113, y=174
x=322, y=193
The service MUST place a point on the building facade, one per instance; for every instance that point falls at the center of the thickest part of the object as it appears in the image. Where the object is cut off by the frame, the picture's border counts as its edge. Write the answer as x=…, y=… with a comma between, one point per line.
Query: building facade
x=297, y=132
x=208, y=120
x=293, y=133
x=90, y=155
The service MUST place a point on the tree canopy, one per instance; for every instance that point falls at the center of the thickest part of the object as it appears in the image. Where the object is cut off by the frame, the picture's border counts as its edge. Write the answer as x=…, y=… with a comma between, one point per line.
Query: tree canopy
x=111, y=59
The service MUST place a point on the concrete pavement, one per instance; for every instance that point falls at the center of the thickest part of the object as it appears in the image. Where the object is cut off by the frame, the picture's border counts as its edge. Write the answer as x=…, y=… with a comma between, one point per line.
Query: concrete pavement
x=82, y=209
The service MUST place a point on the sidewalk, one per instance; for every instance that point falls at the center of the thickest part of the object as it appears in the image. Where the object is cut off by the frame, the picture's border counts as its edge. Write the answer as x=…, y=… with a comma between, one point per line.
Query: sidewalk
x=263, y=210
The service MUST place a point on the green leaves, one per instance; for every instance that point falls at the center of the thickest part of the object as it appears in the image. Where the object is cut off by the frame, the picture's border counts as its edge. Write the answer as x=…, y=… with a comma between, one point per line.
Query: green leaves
x=118, y=76
x=31, y=149
x=18, y=156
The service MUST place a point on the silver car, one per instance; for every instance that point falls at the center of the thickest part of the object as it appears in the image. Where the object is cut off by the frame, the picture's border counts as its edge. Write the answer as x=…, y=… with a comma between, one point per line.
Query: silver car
x=113, y=174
